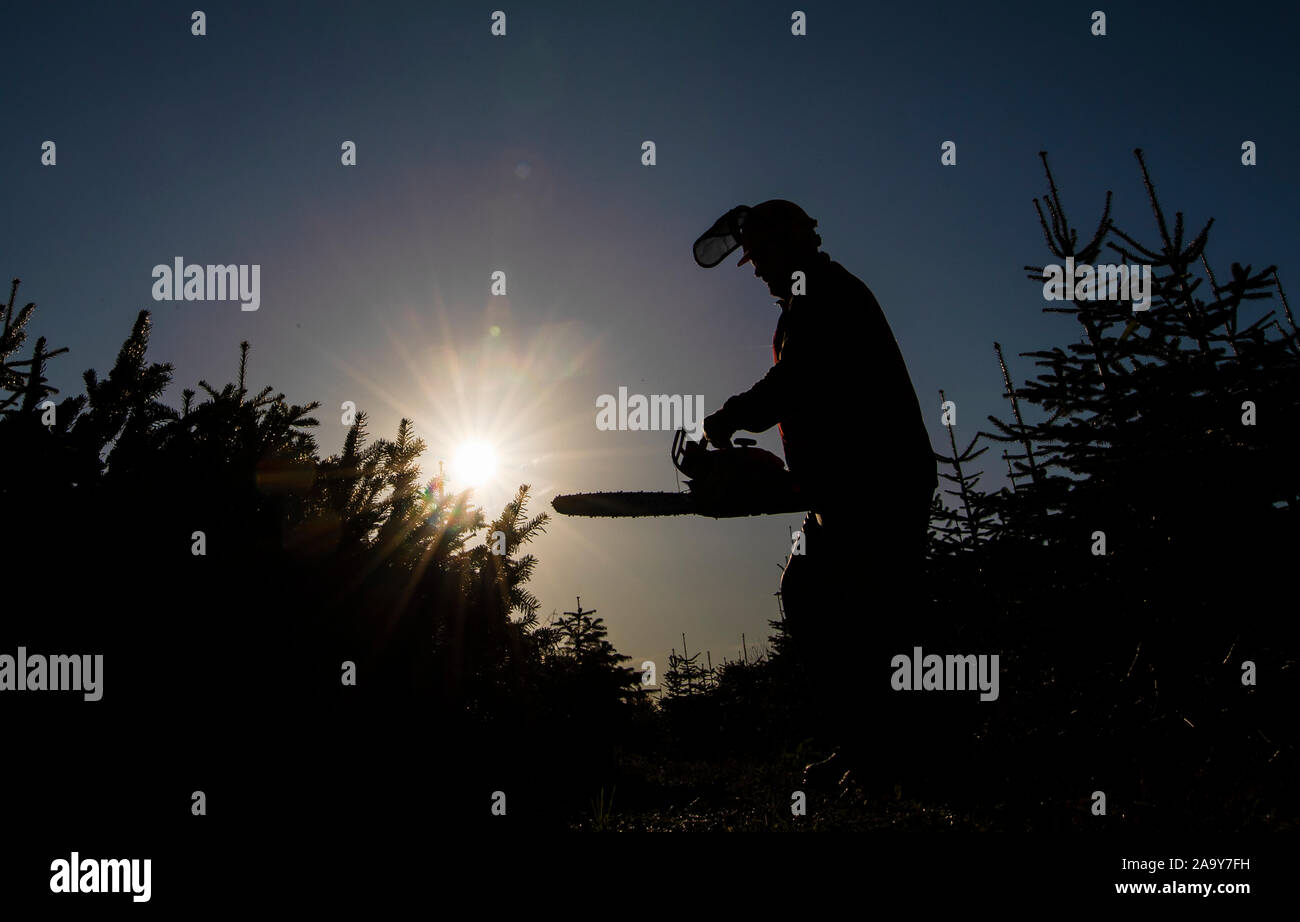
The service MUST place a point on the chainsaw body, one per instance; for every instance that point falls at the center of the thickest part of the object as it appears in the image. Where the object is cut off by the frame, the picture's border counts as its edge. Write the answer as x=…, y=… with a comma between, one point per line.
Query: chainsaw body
x=722, y=483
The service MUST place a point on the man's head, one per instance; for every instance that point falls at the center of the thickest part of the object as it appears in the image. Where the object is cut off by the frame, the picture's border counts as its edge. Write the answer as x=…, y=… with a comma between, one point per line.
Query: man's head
x=778, y=238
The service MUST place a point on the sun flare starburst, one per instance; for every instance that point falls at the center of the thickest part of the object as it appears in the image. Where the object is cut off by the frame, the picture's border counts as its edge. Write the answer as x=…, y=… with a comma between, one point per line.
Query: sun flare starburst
x=474, y=464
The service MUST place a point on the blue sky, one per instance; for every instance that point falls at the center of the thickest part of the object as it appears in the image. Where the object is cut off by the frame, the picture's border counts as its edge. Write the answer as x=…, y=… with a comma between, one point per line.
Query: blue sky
x=523, y=153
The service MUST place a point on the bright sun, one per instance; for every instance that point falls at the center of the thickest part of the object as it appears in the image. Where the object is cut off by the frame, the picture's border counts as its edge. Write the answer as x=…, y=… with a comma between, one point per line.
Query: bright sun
x=474, y=465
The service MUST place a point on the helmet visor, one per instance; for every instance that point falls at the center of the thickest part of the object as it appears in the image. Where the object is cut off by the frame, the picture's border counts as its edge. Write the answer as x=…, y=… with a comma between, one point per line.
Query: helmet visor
x=720, y=239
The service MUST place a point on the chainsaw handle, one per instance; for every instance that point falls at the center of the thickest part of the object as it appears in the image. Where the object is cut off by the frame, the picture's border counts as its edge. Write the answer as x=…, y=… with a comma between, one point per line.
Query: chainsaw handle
x=680, y=445
x=734, y=443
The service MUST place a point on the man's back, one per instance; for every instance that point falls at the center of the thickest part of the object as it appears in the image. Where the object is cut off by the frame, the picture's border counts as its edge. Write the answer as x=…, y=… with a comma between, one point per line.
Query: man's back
x=852, y=419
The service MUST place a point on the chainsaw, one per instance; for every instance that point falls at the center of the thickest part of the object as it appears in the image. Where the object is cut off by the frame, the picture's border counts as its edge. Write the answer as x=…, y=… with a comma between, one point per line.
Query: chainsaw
x=724, y=482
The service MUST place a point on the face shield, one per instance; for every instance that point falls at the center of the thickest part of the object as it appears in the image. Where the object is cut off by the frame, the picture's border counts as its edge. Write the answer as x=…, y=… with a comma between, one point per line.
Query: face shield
x=720, y=239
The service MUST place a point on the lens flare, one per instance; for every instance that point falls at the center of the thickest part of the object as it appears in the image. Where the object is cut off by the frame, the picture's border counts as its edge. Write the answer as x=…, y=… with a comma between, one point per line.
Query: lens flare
x=474, y=465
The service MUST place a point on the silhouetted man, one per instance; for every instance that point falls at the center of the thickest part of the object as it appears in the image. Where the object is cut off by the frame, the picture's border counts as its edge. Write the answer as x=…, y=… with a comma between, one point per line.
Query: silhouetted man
x=855, y=442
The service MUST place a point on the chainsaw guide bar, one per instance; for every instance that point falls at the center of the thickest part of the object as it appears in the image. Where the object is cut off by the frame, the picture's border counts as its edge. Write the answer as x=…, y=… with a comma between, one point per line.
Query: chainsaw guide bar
x=726, y=483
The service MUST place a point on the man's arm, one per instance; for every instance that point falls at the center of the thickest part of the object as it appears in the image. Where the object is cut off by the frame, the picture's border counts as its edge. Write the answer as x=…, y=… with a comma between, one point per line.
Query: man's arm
x=763, y=405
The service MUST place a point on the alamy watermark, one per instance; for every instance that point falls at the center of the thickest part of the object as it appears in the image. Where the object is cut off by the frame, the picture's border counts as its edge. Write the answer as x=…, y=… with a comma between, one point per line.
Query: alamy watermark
x=179, y=282
x=657, y=412
x=946, y=673
x=53, y=673
x=1098, y=283
x=103, y=875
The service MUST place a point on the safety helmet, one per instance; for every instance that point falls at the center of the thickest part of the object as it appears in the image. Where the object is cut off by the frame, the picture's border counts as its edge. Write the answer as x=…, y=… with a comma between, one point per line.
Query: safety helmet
x=773, y=221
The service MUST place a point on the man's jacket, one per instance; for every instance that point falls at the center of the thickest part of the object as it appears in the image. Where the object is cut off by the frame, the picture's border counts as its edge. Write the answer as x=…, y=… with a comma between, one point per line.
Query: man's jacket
x=839, y=390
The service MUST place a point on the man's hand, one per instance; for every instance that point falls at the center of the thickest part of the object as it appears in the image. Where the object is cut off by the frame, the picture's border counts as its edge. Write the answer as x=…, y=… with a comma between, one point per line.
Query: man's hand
x=718, y=429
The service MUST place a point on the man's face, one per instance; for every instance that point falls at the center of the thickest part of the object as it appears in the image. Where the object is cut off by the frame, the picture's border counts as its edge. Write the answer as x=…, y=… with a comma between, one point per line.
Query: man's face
x=770, y=265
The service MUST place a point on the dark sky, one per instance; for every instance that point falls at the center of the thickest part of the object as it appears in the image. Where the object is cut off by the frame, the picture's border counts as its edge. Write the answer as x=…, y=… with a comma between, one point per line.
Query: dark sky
x=523, y=154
